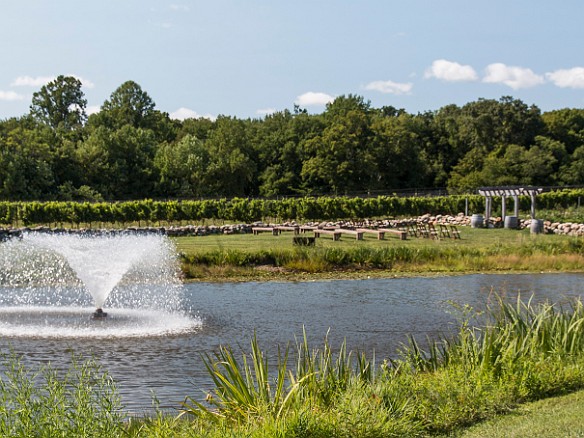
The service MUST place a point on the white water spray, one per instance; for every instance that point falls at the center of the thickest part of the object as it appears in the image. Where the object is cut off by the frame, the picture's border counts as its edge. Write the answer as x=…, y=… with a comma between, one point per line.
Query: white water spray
x=47, y=281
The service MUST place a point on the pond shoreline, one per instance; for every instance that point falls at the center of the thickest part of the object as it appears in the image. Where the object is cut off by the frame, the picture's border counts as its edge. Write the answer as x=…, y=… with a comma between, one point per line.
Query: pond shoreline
x=280, y=276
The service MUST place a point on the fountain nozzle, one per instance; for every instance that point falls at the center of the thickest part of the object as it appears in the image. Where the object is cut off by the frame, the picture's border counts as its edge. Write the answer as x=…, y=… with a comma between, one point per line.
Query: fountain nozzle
x=99, y=313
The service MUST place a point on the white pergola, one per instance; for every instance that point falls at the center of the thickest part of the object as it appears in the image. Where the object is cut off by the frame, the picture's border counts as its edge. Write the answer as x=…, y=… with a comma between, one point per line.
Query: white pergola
x=504, y=192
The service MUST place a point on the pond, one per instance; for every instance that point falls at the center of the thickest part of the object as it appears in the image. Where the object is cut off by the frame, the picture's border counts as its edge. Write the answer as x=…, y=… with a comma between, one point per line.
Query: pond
x=372, y=315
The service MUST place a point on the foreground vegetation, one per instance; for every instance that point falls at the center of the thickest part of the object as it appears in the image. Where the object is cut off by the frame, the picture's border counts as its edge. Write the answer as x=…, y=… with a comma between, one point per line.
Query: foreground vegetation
x=515, y=353
x=235, y=257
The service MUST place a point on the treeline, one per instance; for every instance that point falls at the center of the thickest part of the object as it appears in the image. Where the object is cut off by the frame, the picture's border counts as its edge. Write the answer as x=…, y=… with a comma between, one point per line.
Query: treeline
x=130, y=150
x=149, y=212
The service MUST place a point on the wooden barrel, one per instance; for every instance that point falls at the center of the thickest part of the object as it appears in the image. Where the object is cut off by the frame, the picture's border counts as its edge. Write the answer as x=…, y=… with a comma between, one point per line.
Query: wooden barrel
x=536, y=226
x=476, y=221
x=511, y=222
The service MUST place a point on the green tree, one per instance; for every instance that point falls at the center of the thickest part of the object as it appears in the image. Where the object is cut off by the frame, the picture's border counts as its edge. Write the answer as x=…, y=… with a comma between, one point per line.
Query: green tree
x=339, y=159
x=60, y=104
x=25, y=165
x=182, y=168
x=398, y=152
x=276, y=144
x=231, y=168
x=119, y=164
x=572, y=173
x=566, y=126
x=128, y=105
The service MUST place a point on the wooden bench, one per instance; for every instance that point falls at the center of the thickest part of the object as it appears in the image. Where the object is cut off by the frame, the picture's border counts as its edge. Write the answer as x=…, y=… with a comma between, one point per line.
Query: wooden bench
x=403, y=235
x=379, y=233
x=305, y=228
x=281, y=228
x=336, y=234
x=358, y=234
x=258, y=230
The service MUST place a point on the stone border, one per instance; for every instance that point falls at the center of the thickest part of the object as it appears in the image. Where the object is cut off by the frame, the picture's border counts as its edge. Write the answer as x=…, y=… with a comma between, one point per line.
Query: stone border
x=570, y=229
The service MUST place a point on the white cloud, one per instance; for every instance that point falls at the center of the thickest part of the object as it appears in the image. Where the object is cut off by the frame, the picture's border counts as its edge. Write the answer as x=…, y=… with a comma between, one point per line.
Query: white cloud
x=312, y=99
x=29, y=81
x=266, y=111
x=567, y=78
x=451, y=71
x=390, y=87
x=514, y=77
x=187, y=113
x=86, y=82
x=39, y=81
x=92, y=109
x=10, y=96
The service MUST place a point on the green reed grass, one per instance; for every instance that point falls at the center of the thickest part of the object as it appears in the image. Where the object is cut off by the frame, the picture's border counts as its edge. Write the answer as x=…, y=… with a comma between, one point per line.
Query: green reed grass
x=44, y=403
x=246, y=388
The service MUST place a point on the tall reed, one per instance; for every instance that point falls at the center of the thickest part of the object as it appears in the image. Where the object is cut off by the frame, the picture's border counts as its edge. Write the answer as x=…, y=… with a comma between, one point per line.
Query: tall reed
x=246, y=388
x=44, y=403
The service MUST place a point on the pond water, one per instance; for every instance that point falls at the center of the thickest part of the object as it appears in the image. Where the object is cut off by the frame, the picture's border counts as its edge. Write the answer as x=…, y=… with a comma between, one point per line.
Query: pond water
x=372, y=315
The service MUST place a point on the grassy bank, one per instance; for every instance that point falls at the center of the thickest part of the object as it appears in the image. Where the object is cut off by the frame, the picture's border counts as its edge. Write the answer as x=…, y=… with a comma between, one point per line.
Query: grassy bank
x=524, y=353
x=262, y=257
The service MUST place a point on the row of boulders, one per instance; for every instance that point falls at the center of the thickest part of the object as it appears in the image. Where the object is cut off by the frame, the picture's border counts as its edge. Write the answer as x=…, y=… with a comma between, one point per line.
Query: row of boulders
x=572, y=229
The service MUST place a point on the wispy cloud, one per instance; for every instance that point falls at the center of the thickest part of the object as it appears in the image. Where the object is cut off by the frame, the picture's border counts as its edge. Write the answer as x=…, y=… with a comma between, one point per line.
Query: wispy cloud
x=10, y=96
x=390, y=87
x=29, y=81
x=312, y=98
x=266, y=111
x=39, y=81
x=86, y=82
x=513, y=77
x=567, y=78
x=92, y=109
x=451, y=71
x=186, y=113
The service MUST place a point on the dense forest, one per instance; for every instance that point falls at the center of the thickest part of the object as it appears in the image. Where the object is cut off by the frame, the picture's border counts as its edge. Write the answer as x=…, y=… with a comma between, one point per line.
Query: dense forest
x=131, y=150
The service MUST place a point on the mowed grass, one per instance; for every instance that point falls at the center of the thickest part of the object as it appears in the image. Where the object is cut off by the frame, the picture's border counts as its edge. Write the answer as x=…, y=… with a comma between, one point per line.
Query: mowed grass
x=556, y=417
x=479, y=250
x=471, y=237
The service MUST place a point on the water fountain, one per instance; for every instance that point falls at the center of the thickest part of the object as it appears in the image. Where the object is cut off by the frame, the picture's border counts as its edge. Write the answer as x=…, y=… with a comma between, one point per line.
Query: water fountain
x=50, y=282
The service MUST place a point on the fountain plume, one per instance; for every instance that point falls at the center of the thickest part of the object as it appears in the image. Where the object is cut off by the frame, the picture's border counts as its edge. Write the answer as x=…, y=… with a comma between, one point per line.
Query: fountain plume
x=134, y=275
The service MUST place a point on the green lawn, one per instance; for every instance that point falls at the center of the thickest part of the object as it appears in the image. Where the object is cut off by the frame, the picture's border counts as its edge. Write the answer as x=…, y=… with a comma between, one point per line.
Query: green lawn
x=471, y=237
x=556, y=417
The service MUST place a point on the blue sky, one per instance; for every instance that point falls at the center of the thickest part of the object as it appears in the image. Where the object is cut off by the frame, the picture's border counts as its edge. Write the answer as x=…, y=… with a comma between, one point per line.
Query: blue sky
x=247, y=58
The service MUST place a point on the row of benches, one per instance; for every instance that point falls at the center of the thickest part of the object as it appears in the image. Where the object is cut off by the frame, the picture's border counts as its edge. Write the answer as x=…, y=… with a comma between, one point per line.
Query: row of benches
x=413, y=230
x=335, y=232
